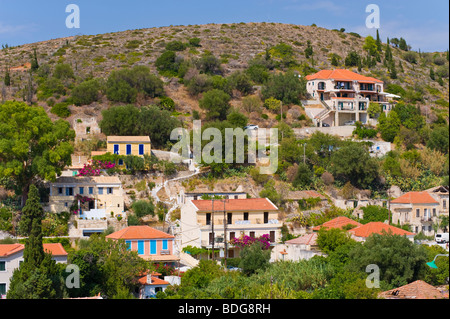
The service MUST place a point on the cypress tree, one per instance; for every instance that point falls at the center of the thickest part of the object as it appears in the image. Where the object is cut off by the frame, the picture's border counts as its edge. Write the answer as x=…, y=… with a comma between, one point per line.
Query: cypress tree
x=7, y=79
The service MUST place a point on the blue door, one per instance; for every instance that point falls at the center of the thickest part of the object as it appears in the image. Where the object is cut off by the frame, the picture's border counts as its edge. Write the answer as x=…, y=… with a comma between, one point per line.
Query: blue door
x=116, y=148
x=141, y=149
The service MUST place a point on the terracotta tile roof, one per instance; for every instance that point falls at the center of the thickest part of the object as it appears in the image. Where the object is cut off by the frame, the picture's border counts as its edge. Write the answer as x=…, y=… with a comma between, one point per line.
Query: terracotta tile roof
x=155, y=281
x=125, y=139
x=55, y=249
x=415, y=290
x=415, y=198
x=139, y=232
x=341, y=75
x=247, y=204
x=378, y=228
x=308, y=239
x=338, y=222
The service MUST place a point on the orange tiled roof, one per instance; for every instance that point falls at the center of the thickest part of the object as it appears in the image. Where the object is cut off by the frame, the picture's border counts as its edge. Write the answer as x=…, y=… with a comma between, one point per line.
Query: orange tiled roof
x=247, y=204
x=338, y=222
x=415, y=198
x=415, y=290
x=341, y=75
x=55, y=249
x=155, y=281
x=377, y=228
x=139, y=232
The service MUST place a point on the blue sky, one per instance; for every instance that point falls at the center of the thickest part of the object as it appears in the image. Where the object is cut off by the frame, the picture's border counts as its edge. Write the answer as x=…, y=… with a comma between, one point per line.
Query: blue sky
x=424, y=24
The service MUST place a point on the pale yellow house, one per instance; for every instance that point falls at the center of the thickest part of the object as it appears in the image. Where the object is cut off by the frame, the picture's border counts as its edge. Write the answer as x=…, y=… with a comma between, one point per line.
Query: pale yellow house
x=205, y=221
x=129, y=145
x=93, y=197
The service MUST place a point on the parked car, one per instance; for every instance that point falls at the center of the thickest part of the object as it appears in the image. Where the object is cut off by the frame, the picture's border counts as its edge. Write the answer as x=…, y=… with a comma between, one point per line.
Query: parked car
x=251, y=127
x=325, y=125
x=348, y=123
x=441, y=237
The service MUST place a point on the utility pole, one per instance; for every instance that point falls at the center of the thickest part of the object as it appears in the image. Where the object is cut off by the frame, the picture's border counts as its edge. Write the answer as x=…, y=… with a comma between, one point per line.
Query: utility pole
x=212, y=228
x=225, y=252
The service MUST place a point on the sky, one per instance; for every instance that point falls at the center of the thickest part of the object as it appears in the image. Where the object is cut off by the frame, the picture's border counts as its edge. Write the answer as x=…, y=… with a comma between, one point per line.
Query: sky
x=423, y=24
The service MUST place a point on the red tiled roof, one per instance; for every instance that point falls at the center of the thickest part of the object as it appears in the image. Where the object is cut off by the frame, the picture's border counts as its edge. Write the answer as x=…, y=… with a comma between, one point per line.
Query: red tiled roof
x=415, y=198
x=415, y=290
x=155, y=281
x=378, y=228
x=55, y=249
x=139, y=232
x=341, y=74
x=247, y=204
x=338, y=222
x=308, y=239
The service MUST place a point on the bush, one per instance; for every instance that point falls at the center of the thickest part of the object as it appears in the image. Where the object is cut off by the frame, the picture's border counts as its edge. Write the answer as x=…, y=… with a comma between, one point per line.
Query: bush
x=287, y=88
x=216, y=102
x=167, y=63
x=63, y=71
x=175, y=46
x=143, y=208
x=61, y=110
x=86, y=93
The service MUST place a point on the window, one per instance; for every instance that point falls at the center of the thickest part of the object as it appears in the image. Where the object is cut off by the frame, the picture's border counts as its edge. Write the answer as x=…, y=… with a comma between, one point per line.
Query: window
x=109, y=190
x=152, y=247
x=208, y=218
x=272, y=236
x=91, y=190
x=434, y=212
x=444, y=203
x=232, y=235
x=2, y=289
x=116, y=148
x=60, y=190
x=211, y=238
x=165, y=244
x=229, y=218
x=266, y=217
x=100, y=190
x=140, y=247
x=2, y=265
x=141, y=149
x=69, y=191
x=120, y=161
x=128, y=243
x=245, y=216
x=417, y=212
x=252, y=234
x=81, y=191
x=128, y=149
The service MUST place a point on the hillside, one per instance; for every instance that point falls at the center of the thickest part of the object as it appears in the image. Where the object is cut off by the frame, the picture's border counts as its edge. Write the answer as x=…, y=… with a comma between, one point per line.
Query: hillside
x=95, y=56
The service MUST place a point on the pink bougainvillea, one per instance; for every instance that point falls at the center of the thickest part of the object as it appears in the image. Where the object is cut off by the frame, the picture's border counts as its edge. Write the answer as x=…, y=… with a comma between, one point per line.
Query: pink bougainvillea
x=245, y=241
x=94, y=168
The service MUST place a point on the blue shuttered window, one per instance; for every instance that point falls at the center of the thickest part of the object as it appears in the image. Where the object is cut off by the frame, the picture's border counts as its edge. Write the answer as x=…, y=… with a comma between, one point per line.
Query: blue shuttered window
x=140, y=247
x=152, y=247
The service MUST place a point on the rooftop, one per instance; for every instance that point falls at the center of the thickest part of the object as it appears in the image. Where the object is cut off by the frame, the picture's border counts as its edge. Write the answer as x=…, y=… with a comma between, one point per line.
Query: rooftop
x=247, y=204
x=55, y=249
x=308, y=239
x=338, y=222
x=130, y=139
x=378, y=228
x=341, y=75
x=415, y=290
x=415, y=198
x=139, y=232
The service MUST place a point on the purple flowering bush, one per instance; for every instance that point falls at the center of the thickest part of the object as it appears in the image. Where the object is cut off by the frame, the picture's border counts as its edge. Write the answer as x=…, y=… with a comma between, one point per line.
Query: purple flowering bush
x=245, y=241
x=95, y=168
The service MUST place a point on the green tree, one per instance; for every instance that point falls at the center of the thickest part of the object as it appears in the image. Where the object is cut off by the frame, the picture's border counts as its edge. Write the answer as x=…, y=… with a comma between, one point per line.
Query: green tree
x=353, y=163
x=373, y=213
x=329, y=240
x=7, y=78
x=400, y=261
x=63, y=71
x=439, y=139
x=86, y=92
x=254, y=258
x=370, y=45
x=352, y=59
x=38, y=276
x=288, y=88
x=389, y=126
x=32, y=147
x=216, y=102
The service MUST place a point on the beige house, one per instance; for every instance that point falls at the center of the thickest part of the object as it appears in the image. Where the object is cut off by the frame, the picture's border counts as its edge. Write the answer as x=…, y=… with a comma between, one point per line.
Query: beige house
x=345, y=96
x=420, y=210
x=95, y=197
x=205, y=221
x=128, y=145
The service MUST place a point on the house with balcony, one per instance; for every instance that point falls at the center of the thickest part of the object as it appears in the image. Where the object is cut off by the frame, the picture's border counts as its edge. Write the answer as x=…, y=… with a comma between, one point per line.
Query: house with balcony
x=213, y=223
x=345, y=96
x=90, y=197
x=150, y=244
x=419, y=210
